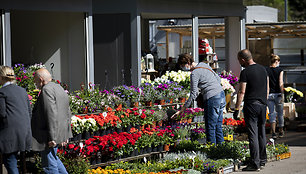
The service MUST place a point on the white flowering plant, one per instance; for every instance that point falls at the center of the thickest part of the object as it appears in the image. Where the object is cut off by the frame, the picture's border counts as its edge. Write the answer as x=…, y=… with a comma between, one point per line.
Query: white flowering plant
x=227, y=87
x=89, y=125
x=76, y=125
x=181, y=77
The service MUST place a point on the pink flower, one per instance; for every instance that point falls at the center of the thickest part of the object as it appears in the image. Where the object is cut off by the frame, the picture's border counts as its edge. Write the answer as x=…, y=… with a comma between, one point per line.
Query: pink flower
x=30, y=97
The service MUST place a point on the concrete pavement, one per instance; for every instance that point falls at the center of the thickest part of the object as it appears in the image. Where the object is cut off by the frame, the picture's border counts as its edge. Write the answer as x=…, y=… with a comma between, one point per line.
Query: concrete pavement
x=294, y=165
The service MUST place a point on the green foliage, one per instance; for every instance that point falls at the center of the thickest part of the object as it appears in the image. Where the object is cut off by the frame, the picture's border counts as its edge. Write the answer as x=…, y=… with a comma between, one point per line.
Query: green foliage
x=227, y=150
x=297, y=10
x=77, y=165
x=187, y=145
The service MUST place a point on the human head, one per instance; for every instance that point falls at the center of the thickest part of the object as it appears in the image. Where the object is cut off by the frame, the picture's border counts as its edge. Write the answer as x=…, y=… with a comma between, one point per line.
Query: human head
x=42, y=77
x=6, y=75
x=185, y=61
x=275, y=59
x=245, y=57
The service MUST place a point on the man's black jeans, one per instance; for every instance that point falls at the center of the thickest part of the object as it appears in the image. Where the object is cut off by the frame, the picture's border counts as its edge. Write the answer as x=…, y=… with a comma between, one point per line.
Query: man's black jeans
x=255, y=119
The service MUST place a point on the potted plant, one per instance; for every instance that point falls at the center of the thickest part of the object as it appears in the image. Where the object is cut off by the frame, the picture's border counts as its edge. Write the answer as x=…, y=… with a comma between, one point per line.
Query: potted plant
x=148, y=94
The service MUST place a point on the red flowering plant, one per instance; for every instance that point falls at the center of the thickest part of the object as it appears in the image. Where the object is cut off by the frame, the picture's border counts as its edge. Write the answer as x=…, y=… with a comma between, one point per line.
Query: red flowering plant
x=71, y=150
x=238, y=125
x=146, y=139
x=124, y=117
x=137, y=116
x=168, y=135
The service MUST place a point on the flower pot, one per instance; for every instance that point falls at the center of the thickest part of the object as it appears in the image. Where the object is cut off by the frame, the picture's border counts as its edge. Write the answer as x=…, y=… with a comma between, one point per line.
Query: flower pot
x=86, y=135
x=102, y=132
x=118, y=106
x=134, y=152
x=128, y=128
x=137, y=127
x=148, y=149
x=166, y=147
x=182, y=100
x=93, y=160
x=155, y=149
x=118, y=130
x=148, y=103
x=160, y=148
x=134, y=104
x=160, y=123
x=85, y=110
x=99, y=158
x=153, y=124
x=141, y=151
x=160, y=102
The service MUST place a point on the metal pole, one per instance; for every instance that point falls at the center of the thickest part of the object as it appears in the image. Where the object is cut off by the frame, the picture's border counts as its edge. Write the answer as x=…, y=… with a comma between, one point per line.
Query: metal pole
x=195, y=39
x=286, y=10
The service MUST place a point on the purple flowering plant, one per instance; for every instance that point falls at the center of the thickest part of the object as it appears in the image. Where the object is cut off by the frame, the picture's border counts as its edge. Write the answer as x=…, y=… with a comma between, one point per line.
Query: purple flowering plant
x=233, y=79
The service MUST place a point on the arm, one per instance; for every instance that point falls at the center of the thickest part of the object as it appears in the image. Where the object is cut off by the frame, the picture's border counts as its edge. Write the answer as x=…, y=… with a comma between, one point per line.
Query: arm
x=281, y=84
x=281, y=81
x=3, y=115
x=240, y=97
x=50, y=111
x=268, y=87
x=194, y=80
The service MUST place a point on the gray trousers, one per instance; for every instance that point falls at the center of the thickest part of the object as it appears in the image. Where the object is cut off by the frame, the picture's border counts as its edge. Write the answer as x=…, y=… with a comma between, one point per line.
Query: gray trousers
x=255, y=119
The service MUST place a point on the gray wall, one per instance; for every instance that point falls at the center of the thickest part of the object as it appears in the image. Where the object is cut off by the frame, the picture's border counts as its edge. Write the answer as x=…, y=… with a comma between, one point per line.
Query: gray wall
x=47, y=5
x=50, y=37
x=261, y=14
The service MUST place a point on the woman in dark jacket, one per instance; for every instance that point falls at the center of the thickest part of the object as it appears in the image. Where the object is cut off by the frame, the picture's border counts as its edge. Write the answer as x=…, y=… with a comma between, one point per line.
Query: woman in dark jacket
x=15, y=119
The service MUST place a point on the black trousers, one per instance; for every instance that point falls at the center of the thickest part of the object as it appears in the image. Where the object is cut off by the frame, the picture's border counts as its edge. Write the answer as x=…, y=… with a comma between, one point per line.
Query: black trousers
x=255, y=119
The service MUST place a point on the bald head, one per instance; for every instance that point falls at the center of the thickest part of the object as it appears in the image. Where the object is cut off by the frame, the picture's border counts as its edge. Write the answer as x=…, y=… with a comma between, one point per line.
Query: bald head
x=245, y=54
x=42, y=77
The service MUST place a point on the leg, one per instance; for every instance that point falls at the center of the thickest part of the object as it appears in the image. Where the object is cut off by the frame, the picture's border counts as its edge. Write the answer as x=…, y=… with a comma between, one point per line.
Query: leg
x=219, y=131
x=272, y=114
x=279, y=110
x=210, y=121
x=262, y=136
x=51, y=163
x=10, y=163
x=251, y=119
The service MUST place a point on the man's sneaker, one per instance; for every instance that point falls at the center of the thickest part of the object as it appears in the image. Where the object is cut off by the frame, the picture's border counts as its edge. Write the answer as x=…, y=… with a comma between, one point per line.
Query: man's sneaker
x=281, y=135
x=251, y=168
x=274, y=135
x=262, y=166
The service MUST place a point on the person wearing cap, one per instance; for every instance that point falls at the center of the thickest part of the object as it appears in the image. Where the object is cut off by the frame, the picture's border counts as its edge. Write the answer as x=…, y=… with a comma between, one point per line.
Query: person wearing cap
x=15, y=119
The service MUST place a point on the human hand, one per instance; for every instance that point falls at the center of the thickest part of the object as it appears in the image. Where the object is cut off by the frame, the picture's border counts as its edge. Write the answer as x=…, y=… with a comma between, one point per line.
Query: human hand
x=52, y=143
x=64, y=143
x=235, y=114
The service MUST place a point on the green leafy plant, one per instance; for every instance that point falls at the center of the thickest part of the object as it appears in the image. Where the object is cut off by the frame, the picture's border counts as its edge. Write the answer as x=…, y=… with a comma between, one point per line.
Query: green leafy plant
x=77, y=165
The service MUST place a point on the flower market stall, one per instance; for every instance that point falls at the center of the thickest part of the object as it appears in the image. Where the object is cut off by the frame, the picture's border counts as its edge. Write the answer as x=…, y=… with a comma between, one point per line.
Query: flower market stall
x=127, y=129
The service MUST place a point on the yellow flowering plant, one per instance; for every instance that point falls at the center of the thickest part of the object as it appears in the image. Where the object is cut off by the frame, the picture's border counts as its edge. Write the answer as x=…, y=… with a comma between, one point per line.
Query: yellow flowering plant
x=292, y=94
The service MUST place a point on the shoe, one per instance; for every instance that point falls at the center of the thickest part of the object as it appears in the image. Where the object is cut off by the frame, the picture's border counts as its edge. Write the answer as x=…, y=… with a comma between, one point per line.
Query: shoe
x=262, y=166
x=251, y=168
x=281, y=135
x=274, y=135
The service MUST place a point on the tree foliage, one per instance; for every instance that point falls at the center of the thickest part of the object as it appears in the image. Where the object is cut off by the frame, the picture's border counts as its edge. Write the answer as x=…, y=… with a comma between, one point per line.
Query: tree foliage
x=297, y=10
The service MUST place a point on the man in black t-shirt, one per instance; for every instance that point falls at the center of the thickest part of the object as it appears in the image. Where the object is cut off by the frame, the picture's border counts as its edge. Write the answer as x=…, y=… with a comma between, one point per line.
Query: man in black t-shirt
x=253, y=89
